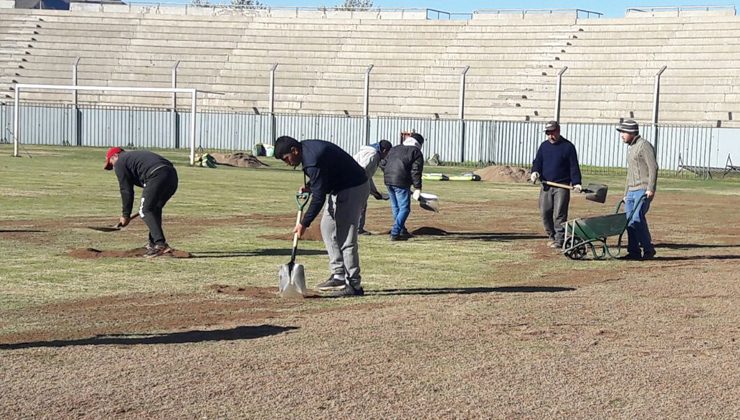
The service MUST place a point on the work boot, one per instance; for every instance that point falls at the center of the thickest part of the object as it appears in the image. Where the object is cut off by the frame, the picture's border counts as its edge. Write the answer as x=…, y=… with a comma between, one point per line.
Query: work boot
x=158, y=250
x=331, y=284
x=631, y=257
x=348, y=291
x=399, y=238
x=648, y=255
x=406, y=234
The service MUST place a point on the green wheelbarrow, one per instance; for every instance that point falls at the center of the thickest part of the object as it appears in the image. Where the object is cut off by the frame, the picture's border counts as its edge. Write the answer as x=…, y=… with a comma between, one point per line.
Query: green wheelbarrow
x=590, y=234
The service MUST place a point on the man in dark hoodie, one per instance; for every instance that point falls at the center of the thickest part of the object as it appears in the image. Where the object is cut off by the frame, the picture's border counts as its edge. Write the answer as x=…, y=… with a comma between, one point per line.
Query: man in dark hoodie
x=402, y=169
x=157, y=177
x=556, y=161
x=334, y=173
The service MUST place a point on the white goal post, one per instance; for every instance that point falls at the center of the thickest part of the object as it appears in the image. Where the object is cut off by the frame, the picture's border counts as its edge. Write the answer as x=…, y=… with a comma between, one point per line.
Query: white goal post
x=19, y=87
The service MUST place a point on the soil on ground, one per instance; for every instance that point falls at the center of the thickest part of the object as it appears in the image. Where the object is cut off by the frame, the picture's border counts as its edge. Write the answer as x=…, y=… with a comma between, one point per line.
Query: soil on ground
x=238, y=159
x=503, y=174
x=87, y=253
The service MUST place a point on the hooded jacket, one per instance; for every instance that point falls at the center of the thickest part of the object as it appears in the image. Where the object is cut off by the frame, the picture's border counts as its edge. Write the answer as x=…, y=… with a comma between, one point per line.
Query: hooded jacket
x=404, y=164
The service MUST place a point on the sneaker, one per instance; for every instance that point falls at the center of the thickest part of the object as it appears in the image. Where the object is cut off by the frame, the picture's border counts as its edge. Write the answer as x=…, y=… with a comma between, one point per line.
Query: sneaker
x=554, y=244
x=399, y=238
x=363, y=232
x=649, y=255
x=158, y=250
x=148, y=247
x=348, y=291
x=332, y=283
x=631, y=257
x=406, y=234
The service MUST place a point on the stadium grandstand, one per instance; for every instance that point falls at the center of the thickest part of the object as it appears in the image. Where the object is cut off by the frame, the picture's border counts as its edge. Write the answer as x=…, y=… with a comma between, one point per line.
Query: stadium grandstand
x=528, y=65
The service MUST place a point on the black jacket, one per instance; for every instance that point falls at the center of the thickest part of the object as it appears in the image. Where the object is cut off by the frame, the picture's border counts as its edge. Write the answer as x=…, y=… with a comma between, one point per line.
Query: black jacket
x=403, y=167
x=329, y=170
x=135, y=168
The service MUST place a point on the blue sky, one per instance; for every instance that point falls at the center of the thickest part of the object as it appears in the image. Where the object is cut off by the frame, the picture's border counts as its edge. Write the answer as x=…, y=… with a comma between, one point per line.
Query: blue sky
x=609, y=8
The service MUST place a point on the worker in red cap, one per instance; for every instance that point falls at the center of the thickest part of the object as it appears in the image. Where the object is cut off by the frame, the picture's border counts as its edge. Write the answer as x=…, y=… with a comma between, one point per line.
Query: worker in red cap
x=158, y=178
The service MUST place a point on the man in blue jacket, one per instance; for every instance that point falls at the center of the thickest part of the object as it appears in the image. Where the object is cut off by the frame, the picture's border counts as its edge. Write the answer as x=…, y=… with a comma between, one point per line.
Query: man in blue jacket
x=334, y=173
x=556, y=161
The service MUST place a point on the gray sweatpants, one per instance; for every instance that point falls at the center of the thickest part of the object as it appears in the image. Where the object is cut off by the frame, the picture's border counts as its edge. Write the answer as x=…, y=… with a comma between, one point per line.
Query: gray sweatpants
x=339, y=230
x=554, y=210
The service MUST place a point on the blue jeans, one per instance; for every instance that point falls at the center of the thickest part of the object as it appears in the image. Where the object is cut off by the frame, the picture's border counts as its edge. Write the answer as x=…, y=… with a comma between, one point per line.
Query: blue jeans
x=400, y=207
x=638, y=232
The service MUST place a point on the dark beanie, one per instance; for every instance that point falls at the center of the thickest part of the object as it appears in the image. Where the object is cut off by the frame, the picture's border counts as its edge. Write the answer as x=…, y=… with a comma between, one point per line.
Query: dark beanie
x=418, y=137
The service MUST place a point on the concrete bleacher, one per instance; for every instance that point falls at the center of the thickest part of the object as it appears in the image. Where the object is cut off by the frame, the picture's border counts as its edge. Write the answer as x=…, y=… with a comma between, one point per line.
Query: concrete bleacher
x=417, y=63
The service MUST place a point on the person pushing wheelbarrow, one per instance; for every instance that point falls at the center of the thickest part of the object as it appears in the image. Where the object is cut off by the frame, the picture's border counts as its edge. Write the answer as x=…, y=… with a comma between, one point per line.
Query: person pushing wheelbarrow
x=334, y=173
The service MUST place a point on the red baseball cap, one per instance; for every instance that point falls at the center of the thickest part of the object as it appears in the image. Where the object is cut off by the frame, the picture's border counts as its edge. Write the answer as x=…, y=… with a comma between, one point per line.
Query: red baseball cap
x=111, y=152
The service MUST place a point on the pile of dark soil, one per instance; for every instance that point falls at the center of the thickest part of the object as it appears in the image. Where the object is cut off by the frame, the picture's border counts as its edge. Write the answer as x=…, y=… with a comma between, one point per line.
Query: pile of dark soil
x=503, y=174
x=238, y=159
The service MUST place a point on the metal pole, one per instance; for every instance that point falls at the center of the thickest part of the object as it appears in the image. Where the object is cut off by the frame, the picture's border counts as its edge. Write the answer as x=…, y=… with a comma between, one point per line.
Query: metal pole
x=461, y=112
x=75, y=109
x=16, y=117
x=175, y=130
x=558, y=93
x=656, y=106
x=272, y=102
x=193, y=117
x=366, y=106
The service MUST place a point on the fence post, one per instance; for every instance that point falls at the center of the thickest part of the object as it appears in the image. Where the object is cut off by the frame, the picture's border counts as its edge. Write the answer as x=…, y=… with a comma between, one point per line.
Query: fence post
x=76, y=135
x=461, y=112
x=366, y=106
x=173, y=115
x=558, y=93
x=656, y=107
x=16, y=119
x=193, y=132
x=272, y=102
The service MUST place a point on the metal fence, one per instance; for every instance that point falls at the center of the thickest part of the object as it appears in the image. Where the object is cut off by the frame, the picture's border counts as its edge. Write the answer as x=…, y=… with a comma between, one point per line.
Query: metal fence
x=497, y=142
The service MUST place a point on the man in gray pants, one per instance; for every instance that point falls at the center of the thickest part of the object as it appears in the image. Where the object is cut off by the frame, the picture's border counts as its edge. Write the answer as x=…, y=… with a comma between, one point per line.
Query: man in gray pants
x=331, y=171
x=556, y=161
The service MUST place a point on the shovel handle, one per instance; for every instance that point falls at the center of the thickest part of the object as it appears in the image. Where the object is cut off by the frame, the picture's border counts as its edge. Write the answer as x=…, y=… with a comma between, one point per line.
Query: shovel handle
x=557, y=184
x=301, y=199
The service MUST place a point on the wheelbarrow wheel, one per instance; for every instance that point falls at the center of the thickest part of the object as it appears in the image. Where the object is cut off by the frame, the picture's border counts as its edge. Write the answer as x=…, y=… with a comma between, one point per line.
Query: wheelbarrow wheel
x=577, y=252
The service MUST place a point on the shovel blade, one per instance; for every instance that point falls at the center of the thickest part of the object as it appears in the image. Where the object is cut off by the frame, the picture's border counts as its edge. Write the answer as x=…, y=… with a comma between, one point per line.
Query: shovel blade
x=292, y=281
x=596, y=192
x=104, y=228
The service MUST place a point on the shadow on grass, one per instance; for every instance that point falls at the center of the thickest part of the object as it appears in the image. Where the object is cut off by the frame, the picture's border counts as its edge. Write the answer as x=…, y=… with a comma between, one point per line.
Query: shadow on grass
x=22, y=231
x=693, y=246
x=493, y=236
x=470, y=290
x=696, y=257
x=269, y=252
x=233, y=334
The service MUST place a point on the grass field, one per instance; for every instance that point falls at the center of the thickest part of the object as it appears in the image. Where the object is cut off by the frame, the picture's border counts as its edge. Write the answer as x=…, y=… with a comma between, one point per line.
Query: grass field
x=485, y=321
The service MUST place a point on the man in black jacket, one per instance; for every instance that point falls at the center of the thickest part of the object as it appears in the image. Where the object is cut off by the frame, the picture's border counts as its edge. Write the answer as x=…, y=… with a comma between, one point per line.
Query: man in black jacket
x=331, y=171
x=402, y=168
x=157, y=177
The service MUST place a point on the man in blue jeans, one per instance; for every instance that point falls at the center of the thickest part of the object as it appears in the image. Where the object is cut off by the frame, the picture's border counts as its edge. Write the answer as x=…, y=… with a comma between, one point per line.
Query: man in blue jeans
x=642, y=177
x=402, y=169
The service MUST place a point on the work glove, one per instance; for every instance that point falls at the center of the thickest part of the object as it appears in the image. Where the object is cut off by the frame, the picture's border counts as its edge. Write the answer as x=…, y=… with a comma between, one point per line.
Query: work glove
x=416, y=195
x=578, y=188
x=534, y=177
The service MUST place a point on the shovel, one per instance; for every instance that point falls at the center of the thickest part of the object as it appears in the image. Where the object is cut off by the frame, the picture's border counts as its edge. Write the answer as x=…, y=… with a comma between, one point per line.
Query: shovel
x=429, y=202
x=114, y=228
x=292, y=279
x=594, y=192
